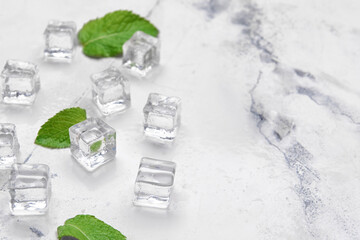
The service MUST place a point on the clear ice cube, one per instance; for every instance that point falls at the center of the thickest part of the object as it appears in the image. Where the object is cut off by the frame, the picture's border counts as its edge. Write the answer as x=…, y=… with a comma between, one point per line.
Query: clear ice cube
x=154, y=183
x=111, y=91
x=93, y=143
x=20, y=82
x=161, y=117
x=29, y=187
x=60, y=39
x=9, y=146
x=141, y=53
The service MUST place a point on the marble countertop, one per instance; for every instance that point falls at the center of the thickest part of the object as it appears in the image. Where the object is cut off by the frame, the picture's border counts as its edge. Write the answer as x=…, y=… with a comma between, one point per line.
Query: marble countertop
x=269, y=146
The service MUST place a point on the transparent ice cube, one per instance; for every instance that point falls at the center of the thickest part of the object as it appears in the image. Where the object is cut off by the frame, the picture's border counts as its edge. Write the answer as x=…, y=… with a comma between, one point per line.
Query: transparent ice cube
x=9, y=146
x=60, y=41
x=20, y=82
x=93, y=143
x=141, y=53
x=161, y=117
x=111, y=91
x=154, y=183
x=29, y=187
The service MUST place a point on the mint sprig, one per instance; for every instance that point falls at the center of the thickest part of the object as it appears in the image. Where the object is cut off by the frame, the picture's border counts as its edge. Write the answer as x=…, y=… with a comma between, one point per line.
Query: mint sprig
x=104, y=37
x=87, y=227
x=55, y=132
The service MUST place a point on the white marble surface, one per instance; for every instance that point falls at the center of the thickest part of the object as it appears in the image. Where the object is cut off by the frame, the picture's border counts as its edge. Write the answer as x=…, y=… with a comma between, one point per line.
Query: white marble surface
x=236, y=65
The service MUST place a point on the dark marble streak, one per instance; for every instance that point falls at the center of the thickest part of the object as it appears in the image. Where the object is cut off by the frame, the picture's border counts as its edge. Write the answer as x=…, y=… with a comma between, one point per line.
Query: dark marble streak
x=157, y=3
x=36, y=231
x=250, y=20
x=298, y=158
x=213, y=7
x=301, y=73
x=326, y=101
x=27, y=159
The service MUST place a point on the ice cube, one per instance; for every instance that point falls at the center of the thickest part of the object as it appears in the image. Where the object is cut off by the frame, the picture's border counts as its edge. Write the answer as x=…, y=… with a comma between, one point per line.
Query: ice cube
x=162, y=117
x=29, y=187
x=141, y=53
x=60, y=40
x=9, y=146
x=111, y=91
x=93, y=143
x=154, y=183
x=19, y=82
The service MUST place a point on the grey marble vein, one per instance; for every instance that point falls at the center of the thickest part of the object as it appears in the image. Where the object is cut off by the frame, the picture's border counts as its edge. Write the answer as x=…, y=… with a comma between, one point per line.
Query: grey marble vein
x=36, y=231
x=297, y=157
x=157, y=3
x=213, y=7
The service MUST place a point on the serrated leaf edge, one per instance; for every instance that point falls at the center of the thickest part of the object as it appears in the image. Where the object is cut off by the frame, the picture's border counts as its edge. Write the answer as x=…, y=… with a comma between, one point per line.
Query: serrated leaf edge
x=84, y=44
x=37, y=139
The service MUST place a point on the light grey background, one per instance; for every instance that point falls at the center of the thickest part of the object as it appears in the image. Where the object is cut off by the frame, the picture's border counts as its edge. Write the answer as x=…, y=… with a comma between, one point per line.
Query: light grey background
x=221, y=57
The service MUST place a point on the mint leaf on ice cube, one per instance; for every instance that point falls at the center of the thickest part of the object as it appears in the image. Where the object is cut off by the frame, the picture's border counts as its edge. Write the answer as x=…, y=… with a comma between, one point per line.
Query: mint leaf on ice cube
x=55, y=132
x=104, y=37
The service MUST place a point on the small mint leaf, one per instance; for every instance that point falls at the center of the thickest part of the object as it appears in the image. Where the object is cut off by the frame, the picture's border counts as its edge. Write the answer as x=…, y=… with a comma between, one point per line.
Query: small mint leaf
x=55, y=132
x=104, y=37
x=95, y=146
x=87, y=227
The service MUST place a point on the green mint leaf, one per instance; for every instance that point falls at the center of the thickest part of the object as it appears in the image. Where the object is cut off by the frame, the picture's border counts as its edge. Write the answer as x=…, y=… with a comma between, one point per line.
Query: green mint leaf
x=104, y=37
x=87, y=227
x=55, y=132
x=95, y=146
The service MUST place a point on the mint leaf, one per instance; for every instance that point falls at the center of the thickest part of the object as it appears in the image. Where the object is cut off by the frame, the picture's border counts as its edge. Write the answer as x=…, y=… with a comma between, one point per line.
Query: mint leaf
x=87, y=227
x=55, y=132
x=95, y=146
x=104, y=37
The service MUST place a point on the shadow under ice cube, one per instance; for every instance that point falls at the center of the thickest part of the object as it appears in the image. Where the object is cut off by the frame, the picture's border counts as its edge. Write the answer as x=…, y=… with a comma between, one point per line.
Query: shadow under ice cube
x=141, y=53
x=162, y=117
x=93, y=143
x=154, y=183
x=19, y=82
x=29, y=187
x=111, y=91
x=9, y=146
x=60, y=39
